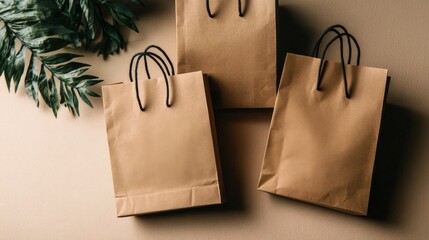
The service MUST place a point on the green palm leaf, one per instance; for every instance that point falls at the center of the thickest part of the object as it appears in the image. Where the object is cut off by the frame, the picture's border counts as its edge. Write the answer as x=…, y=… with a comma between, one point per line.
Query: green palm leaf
x=89, y=17
x=39, y=28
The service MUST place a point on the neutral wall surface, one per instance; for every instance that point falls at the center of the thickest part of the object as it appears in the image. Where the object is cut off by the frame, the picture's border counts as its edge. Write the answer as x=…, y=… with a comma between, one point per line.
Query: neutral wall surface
x=55, y=179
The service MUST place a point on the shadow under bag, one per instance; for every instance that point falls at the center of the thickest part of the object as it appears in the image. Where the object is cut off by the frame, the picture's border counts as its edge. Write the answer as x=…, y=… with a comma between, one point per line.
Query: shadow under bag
x=234, y=42
x=162, y=141
x=324, y=131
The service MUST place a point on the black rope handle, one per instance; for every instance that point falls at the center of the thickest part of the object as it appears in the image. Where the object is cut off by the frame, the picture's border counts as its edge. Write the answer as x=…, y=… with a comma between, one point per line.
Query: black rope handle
x=166, y=57
x=209, y=12
x=157, y=59
x=240, y=11
x=151, y=56
x=340, y=36
x=137, y=55
x=140, y=55
x=327, y=31
x=130, y=72
x=322, y=64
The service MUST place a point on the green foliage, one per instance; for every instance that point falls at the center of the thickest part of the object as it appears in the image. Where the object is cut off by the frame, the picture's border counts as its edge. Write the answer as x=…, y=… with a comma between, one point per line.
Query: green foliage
x=37, y=27
x=88, y=18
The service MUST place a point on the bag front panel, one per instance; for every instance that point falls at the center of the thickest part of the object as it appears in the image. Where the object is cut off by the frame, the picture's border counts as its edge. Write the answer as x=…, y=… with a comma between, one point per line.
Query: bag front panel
x=321, y=146
x=161, y=150
x=238, y=53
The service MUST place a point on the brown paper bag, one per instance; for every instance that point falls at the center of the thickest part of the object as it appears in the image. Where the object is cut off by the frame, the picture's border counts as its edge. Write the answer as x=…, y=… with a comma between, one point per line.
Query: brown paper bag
x=322, y=145
x=162, y=158
x=238, y=53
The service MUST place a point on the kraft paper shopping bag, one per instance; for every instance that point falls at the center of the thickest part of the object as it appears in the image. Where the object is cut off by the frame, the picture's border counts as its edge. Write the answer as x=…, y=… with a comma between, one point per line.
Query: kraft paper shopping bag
x=324, y=131
x=234, y=42
x=162, y=141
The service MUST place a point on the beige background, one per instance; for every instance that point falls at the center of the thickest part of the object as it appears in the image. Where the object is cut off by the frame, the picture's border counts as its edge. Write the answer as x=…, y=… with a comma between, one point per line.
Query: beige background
x=55, y=179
